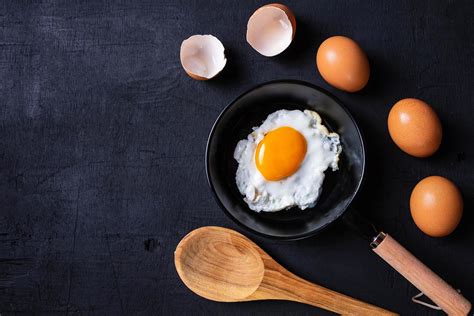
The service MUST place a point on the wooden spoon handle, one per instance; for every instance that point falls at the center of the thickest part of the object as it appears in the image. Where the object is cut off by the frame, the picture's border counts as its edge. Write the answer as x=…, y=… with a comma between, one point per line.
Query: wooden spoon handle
x=420, y=276
x=283, y=285
x=319, y=296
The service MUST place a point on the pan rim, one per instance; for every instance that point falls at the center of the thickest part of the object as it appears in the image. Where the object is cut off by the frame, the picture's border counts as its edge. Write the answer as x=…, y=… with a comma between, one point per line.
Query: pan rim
x=329, y=222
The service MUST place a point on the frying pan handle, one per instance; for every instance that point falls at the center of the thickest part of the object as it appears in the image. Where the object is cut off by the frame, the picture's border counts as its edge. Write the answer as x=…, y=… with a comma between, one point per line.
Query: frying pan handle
x=440, y=292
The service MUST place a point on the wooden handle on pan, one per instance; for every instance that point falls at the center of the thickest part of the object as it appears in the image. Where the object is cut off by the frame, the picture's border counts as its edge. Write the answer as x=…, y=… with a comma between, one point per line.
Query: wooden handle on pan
x=440, y=292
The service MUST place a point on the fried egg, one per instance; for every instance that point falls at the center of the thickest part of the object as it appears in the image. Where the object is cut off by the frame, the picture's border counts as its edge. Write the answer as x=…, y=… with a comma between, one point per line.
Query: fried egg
x=282, y=162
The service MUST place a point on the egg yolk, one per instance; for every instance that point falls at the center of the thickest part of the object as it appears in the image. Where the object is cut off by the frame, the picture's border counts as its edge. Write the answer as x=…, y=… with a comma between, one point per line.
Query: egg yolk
x=280, y=153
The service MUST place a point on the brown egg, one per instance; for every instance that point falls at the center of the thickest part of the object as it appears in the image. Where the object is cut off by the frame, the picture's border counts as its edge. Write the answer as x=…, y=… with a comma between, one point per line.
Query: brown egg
x=415, y=127
x=343, y=64
x=436, y=206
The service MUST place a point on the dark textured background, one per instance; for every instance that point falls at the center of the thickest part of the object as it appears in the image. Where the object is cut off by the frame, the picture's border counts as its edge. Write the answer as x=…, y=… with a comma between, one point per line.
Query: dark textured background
x=103, y=138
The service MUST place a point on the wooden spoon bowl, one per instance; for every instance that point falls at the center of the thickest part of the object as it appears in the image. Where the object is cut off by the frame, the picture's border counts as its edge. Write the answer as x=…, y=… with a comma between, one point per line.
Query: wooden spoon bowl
x=223, y=265
x=219, y=266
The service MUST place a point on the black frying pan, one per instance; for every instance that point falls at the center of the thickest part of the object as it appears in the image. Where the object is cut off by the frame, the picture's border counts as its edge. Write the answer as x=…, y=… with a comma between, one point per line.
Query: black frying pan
x=339, y=188
x=251, y=109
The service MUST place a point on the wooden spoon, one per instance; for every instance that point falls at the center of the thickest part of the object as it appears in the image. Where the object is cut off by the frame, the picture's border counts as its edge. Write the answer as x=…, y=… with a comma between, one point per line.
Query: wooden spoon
x=223, y=265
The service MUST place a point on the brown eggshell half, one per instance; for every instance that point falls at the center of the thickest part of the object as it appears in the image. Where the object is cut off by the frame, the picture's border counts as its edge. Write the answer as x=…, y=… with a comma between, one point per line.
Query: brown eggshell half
x=271, y=29
x=415, y=127
x=202, y=56
x=436, y=206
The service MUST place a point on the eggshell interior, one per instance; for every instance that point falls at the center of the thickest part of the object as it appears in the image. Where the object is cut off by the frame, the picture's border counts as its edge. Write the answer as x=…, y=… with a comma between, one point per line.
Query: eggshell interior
x=202, y=56
x=269, y=30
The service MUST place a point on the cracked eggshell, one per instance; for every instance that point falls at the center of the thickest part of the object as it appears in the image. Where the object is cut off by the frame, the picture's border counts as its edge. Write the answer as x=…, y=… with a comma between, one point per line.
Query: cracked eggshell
x=271, y=29
x=202, y=56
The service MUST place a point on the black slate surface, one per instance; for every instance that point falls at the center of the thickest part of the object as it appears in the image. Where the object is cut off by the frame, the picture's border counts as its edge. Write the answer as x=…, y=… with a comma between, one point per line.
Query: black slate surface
x=103, y=137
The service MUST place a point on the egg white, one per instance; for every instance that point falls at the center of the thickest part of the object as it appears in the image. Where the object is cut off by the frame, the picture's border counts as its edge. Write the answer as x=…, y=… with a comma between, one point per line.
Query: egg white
x=302, y=188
